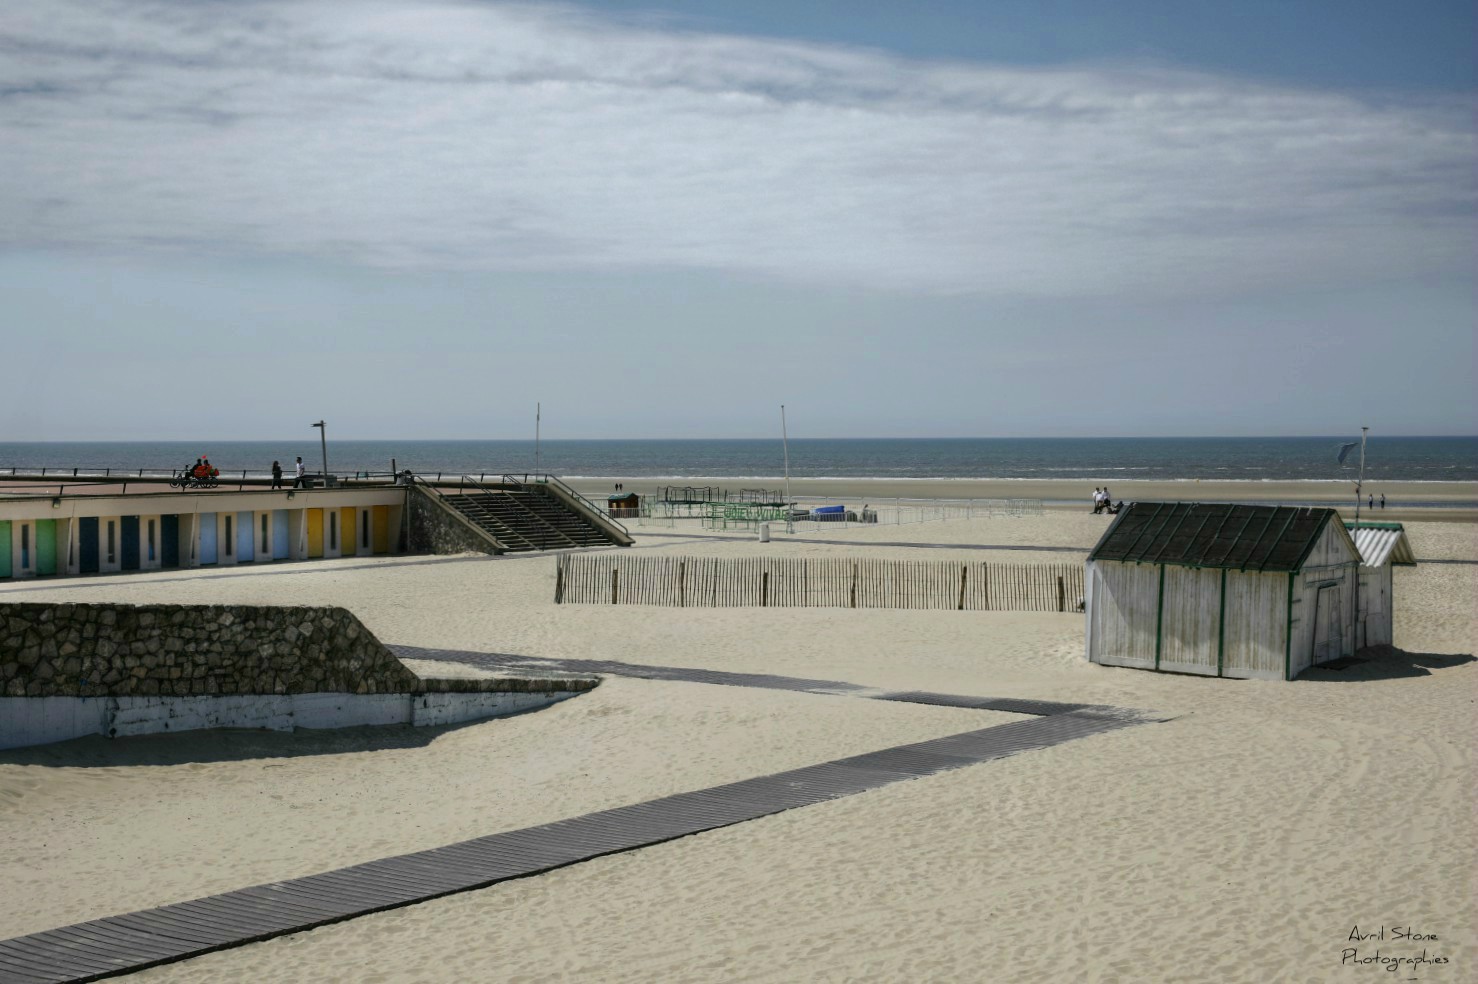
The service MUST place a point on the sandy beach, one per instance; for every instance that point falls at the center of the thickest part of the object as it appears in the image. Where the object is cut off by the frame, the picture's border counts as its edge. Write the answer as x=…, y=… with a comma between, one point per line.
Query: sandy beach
x=1242, y=840
x=1405, y=501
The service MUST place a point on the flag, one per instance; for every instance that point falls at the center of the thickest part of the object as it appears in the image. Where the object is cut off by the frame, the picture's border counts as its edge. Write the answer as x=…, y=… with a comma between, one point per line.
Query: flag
x=1344, y=449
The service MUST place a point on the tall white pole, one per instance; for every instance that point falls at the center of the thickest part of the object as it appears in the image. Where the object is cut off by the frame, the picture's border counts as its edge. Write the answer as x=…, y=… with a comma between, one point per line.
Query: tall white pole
x=785, y=443
x=1359, y=493
x=538, y=415
x=1360, y=484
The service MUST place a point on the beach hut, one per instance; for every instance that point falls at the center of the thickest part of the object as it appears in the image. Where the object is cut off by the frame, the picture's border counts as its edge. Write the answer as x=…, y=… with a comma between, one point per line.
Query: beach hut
x=623, y=504
x=1220, y=589
x=1382, y=546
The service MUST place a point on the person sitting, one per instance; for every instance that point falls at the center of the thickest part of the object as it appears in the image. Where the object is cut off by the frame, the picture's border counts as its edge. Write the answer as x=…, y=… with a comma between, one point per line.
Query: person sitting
x=199, y=471
x=1114, y=510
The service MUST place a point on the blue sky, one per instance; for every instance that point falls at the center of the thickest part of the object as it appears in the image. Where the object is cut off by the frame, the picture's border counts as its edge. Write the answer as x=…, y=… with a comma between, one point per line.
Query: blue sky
x=938, y=219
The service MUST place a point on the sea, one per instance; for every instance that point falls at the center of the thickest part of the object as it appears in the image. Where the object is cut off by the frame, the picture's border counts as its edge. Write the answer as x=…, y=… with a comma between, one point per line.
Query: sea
x=1245, y=459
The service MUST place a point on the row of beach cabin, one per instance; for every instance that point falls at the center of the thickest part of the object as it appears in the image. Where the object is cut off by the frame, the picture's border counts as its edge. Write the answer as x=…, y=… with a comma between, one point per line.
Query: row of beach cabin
x=65, y=535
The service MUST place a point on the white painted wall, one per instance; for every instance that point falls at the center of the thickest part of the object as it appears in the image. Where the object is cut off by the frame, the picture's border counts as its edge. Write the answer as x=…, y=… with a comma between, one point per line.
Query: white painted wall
x=26, y=721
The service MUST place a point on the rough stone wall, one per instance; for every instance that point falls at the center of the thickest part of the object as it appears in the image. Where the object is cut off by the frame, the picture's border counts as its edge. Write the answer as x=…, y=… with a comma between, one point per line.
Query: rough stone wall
x=51, y=650
x=435, y=529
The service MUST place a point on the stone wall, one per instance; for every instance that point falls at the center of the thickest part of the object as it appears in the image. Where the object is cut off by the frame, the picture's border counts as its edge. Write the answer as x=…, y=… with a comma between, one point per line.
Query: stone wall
x=56, y=650
x=439, y=529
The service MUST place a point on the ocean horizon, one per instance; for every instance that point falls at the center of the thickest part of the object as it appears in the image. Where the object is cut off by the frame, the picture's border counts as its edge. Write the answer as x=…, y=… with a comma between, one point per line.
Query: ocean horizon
x=1236, y=459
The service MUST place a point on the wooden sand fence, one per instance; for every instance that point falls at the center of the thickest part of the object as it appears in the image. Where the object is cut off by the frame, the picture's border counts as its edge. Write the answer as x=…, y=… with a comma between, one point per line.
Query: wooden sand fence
x=816, y=582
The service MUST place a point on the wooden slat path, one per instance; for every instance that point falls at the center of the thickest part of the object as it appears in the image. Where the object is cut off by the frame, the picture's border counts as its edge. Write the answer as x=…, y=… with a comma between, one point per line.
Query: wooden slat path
x=815, y=582
x=124, y=944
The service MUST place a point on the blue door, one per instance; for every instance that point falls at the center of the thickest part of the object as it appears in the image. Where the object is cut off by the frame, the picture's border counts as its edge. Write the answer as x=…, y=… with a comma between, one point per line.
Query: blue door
x=87, y=544
x=245, y=539
x=207, y=538
x=169, y=541
x=279, y=534
x=130, y=543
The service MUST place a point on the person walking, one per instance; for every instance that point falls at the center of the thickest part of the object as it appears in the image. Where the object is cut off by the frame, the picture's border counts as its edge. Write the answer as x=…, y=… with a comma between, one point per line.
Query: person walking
x=299, y=482
x=277, y=474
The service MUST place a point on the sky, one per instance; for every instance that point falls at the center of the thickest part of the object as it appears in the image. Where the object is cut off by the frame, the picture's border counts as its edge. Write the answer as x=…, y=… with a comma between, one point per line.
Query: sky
x=226, y=220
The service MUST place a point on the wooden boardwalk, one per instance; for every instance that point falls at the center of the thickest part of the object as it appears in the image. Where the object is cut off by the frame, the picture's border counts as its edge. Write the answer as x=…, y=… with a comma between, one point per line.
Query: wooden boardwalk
x=124, y=944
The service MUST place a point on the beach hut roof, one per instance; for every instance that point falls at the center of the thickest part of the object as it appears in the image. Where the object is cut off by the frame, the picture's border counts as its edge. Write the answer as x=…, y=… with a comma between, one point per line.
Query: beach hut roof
x=1381, y=543
x=1215, y=534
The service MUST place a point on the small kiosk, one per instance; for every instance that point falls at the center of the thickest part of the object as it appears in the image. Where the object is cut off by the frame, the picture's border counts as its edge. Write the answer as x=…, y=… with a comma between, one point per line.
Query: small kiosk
x=623, y=504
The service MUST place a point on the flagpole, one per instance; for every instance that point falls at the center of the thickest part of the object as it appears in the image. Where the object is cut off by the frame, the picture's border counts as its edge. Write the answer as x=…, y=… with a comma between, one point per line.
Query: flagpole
x=1360, y=484
x=538, y=413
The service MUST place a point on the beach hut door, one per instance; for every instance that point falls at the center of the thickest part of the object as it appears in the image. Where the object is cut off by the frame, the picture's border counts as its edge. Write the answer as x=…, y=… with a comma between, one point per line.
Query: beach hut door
x=1328, y=634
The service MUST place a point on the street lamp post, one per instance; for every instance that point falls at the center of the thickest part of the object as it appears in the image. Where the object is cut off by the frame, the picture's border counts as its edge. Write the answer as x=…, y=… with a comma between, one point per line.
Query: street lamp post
x=323, y=440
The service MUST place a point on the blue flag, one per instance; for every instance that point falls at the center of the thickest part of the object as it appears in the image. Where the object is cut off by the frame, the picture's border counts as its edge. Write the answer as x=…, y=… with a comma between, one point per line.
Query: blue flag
x=1345, y=449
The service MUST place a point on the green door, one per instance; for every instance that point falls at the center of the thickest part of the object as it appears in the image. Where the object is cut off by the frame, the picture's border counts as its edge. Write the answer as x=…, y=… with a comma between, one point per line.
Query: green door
x=5, y=548
x=46, y=546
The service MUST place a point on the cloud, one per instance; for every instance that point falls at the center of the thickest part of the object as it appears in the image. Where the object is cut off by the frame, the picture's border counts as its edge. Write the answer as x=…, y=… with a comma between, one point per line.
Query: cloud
x=461, y=136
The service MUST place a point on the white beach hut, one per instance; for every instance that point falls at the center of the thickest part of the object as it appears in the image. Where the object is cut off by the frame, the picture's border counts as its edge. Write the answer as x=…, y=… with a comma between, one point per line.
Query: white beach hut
x=1382, y=546
x=1222, y=589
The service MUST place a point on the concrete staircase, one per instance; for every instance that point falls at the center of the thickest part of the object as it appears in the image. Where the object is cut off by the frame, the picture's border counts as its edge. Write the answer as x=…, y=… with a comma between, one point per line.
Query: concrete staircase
x=524, y=518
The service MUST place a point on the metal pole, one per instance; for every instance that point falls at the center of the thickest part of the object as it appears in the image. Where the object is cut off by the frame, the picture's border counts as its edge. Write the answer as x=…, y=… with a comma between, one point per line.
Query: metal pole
x=1360, y=482
x=1355, y=627
x=785, y=443
x=323, y=440
x=538, y=415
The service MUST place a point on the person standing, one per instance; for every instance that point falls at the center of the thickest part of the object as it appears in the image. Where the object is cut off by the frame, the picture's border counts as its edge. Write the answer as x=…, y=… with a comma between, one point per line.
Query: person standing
x=1370, y=504
x=277, y=474
x=1383, y=500
x=298, y=481
x=1097, y=500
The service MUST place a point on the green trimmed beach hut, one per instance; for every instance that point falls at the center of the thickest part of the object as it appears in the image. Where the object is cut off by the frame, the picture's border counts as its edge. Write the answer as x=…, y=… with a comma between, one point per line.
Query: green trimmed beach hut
x=1223, y=589
x=1383, y=547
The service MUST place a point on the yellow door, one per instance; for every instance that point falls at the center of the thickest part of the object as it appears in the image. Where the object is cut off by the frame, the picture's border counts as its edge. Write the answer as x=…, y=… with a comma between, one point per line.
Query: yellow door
x=315, y=532
x=381, y=524
x=348, y=532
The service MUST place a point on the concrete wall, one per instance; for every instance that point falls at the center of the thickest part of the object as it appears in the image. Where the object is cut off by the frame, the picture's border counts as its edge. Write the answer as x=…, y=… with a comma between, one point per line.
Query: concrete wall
x=68, y=670
x=28, y=721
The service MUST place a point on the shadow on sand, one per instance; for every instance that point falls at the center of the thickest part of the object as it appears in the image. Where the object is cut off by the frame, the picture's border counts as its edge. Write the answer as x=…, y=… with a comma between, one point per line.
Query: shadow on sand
x=1384, y=663
x=229, y=745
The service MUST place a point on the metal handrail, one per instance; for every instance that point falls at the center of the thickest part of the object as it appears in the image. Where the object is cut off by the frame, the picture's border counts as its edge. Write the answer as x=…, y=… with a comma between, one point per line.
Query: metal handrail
x=544, y=544
x=549, y=479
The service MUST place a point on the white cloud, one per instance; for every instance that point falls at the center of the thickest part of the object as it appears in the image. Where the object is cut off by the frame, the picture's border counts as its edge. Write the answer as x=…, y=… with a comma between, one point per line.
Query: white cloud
x=477, y=137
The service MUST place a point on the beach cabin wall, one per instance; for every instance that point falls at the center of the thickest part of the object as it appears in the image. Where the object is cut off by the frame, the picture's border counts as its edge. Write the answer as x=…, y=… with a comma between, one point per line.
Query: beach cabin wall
x=1321, y=615
x=1375, y=605
x=70, y=535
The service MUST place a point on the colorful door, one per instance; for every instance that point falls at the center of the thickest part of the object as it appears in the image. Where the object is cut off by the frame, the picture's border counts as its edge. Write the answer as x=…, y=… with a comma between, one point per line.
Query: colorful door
x=245, y=541
x=130, y=543
x=207, y=523
x=87, y=544
x=348, y=531
x=5, y=545
x=381, y=520
x=46, y=546
x=315, y=532
x=169, y=541
x=280, y=549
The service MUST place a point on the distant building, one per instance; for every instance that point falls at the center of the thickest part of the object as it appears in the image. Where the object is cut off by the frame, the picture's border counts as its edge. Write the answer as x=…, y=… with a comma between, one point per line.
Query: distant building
x=1229, y=590
x=623, y=504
